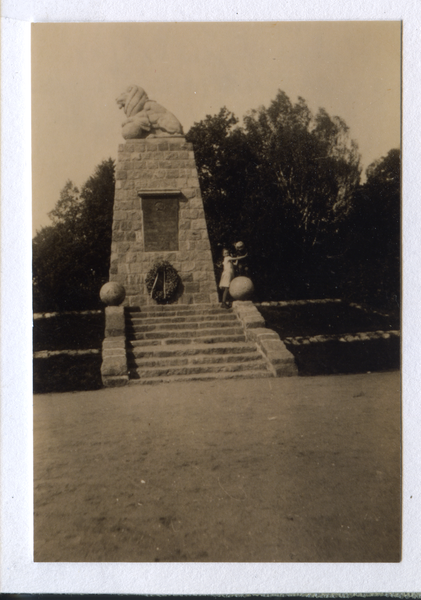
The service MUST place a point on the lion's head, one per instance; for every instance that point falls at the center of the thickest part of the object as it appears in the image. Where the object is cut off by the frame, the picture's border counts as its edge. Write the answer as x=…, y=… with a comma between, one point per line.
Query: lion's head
x=132, y=100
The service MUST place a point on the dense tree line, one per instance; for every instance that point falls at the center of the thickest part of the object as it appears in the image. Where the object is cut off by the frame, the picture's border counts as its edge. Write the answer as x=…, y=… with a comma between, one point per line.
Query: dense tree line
x=285, y=181
x=371, y=259
x=71, y=257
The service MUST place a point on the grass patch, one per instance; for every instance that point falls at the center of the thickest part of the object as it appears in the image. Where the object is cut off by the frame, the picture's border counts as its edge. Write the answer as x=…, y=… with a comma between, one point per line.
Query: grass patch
x=334, y=357
x=324, y=319
x=64, y=373
x=328, y=358
x=69, y=332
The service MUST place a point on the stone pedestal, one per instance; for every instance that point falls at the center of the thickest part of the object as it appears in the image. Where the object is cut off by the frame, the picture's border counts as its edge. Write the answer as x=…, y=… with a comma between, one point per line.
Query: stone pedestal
x=158, y=215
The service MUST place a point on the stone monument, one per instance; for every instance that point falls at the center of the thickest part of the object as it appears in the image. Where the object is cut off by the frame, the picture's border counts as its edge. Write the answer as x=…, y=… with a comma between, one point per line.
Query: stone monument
x=158, y=208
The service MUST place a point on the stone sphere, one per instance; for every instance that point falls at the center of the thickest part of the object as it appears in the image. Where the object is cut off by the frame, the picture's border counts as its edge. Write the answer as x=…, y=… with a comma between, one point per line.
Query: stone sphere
x=241, y=288
x=112, y=293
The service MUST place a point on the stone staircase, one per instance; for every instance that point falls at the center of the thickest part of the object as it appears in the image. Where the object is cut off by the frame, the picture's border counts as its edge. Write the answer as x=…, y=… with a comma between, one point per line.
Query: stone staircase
x=189, y=342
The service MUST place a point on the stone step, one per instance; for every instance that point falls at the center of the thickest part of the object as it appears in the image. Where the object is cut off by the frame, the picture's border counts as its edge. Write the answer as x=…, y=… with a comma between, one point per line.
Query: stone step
x=187, y=326
x=159, y=351
x=175, y=310
x=143, y=373
x=163, y=318
x=169, y=342
x=188, y=334
x=202, y=377
x=192, y=360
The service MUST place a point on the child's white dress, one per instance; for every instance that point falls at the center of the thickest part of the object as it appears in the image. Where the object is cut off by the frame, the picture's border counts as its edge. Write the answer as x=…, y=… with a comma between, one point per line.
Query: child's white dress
x=228, y=272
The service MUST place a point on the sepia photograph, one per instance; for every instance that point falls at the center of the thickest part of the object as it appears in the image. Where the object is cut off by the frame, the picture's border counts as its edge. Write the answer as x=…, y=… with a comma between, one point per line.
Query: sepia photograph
x=216, y=283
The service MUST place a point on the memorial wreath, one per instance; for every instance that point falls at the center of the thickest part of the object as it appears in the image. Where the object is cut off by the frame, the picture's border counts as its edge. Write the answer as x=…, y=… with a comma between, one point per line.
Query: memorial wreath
x=162, y=282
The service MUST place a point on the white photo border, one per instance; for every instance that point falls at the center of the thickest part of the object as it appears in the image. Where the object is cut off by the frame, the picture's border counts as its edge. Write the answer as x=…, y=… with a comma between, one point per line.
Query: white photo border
x=18, y=572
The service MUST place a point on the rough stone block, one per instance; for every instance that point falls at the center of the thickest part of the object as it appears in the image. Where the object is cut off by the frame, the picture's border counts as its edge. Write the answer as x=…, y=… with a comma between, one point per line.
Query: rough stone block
x=123, y=268
x=190, y=213
x=171, y=155
x=128, y=185
x=180, y=182
x=196, y=203
x=136, y=267
x=184, y=224
x=170, y=256
x=193, y=288
x=203, y=245
x=188, y=266
x=119, y=352
x=200, y=276
x=152, y=164
x=120, y=215
x=199, y=224
x=114, y=365
x=135, y=300
x=114, y=321
x=286, y=369
x=195, y=235
x=115, y=381
x=188, y=192
x=115, y=342
x=269, y=346
x=262, y=333
x=250, y=322
x=241, y=303
x=201, y=298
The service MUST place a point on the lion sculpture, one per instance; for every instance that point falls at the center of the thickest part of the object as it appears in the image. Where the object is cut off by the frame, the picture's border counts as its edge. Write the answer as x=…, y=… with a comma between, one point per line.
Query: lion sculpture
x=146, y=118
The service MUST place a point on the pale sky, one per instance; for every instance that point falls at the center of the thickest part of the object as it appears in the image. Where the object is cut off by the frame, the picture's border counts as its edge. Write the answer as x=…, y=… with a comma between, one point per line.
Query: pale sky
x=352, y=69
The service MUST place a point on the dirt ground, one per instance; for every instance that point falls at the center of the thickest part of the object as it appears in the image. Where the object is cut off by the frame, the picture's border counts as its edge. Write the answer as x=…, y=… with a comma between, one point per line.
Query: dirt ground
x=298, y=469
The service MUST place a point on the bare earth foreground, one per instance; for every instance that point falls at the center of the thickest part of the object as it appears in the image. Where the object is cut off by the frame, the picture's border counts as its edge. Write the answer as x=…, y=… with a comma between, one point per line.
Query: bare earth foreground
x=296, y=469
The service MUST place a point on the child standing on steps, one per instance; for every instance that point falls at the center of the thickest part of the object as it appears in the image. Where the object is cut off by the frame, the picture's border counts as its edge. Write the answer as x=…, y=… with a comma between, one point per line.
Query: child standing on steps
x=227, y=276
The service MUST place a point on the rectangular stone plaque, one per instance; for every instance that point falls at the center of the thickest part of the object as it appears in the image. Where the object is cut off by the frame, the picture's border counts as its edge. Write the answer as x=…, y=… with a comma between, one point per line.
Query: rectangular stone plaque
x=160, y=224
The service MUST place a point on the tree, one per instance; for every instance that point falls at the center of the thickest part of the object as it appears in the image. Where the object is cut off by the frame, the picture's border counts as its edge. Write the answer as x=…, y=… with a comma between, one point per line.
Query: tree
x=373, y=236
x=71, y=258
x=283, y=182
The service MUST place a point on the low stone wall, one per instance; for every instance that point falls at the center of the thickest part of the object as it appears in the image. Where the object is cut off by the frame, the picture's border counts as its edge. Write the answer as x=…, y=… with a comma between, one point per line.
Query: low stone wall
x=49, y=315
x=344, y=337
x=299, y=302
x=49, y=353
x=114, y=370
x=280, y=360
